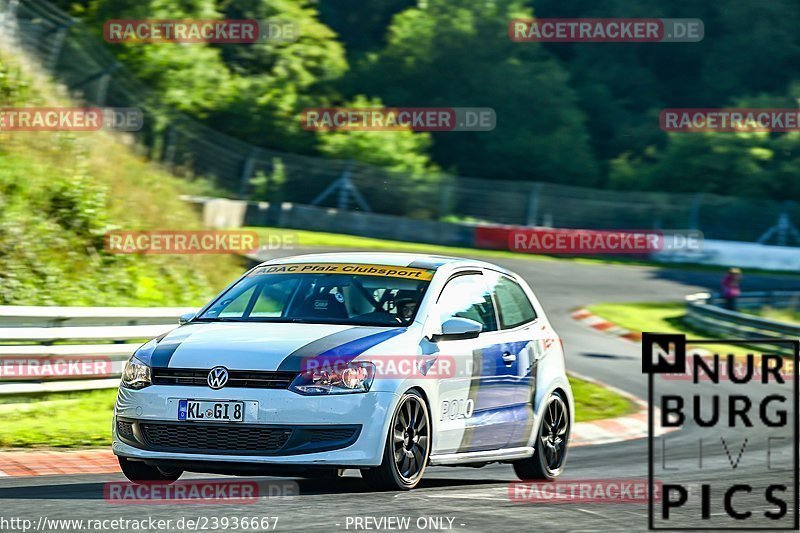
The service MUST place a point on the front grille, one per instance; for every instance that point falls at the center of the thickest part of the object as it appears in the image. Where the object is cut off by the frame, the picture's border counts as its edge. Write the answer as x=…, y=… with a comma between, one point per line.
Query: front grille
x=209, y=438
x=125, y=429
x=245, y=379
x=229, y=439
x=324, y=435
x=238, y=439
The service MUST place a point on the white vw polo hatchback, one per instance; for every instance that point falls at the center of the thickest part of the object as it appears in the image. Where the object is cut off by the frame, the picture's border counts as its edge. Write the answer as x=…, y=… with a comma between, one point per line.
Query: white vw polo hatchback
x=387, y=363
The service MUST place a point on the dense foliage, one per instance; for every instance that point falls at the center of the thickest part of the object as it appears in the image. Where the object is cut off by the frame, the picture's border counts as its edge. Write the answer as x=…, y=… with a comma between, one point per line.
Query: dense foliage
x=582, y=114
x=61, y=192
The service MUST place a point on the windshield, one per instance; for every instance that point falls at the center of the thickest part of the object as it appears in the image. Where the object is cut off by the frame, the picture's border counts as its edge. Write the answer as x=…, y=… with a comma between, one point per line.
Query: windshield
x=374, y=295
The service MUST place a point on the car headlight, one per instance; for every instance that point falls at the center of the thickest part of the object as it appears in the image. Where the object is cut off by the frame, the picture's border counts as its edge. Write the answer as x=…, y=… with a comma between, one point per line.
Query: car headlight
x=136, y=374
x=344, y=379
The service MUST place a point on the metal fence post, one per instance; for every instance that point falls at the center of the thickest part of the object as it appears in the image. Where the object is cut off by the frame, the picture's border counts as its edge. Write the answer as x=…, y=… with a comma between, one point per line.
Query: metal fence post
x=100, y=75
x=782, y=230
x=102, y=89
x=694, y=214
x=444, y=201
x=247, y=173
x=533, y=205
x=55, y=54
x=344, y=190
x=10, y=21
x=168, y=151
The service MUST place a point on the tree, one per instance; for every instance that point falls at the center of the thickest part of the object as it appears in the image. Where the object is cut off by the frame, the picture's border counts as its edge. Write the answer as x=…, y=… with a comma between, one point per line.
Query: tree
x=395, y=160
x=191, y=78
x=745, y=163
x=622, y=87
x=277, y=78
x=447, y=53
x=361, y=30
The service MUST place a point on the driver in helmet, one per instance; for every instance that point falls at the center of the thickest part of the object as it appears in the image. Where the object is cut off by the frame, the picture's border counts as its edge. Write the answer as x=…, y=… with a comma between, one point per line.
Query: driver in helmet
x=406, y=304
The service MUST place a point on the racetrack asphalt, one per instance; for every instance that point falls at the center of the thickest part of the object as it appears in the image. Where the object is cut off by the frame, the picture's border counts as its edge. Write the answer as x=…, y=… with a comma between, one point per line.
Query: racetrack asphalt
x=475, y=499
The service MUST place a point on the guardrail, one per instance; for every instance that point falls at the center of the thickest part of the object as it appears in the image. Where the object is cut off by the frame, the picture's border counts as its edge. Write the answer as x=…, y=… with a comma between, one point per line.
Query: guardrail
x=15, y=316
x=704, y=311
x=51, y=336
x=48, y=349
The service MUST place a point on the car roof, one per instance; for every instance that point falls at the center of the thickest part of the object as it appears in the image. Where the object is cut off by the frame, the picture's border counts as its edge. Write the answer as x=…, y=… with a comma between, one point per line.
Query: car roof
x=433, y=262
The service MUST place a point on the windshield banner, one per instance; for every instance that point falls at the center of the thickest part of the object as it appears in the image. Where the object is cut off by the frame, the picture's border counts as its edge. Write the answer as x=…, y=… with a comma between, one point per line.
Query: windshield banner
x=344, y=268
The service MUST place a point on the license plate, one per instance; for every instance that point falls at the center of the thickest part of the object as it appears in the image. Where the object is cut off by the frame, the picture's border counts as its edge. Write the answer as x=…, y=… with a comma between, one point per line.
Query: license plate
x=205, y=410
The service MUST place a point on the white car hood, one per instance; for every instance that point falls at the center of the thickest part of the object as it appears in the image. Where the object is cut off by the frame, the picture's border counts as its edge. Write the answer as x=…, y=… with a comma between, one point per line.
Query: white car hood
x=259, y=346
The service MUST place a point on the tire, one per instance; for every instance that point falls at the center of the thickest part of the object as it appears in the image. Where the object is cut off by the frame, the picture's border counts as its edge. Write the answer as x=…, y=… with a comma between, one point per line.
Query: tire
x=139, y=473
x=407, y=447
x=552, y=439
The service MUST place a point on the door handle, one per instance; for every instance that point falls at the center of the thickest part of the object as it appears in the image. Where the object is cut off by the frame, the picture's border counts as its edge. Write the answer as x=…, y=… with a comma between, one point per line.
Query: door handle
x=509, y=358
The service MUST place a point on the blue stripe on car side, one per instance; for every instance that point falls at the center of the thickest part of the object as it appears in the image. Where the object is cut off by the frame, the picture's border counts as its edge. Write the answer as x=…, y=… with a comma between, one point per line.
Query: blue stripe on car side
x=491, y=422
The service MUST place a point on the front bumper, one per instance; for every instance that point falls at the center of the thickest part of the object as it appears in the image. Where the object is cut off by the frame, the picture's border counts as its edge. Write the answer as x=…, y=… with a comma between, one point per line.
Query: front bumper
x=301, y=417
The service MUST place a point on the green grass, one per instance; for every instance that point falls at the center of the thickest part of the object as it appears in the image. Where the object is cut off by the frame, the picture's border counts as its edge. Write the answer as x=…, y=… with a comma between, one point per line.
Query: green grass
x=60, y=192
x=60, y=420
x=81, y=419
x=782, y=315
x=646, y=316
x=658, y=317
x=320, y=239
x=593, y=402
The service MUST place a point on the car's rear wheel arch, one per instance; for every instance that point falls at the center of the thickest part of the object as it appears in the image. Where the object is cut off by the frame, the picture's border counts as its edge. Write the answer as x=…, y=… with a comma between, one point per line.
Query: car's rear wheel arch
x=564, y=396
x=557, y=388
x=538, y=467
x=561, y=392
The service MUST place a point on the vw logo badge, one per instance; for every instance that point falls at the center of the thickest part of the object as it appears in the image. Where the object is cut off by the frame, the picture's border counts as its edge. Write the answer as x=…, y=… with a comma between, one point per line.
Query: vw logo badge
x=218, y=377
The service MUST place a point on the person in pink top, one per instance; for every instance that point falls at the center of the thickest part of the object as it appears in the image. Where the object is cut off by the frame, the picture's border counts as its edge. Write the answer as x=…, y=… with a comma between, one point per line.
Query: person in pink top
x=730, y=287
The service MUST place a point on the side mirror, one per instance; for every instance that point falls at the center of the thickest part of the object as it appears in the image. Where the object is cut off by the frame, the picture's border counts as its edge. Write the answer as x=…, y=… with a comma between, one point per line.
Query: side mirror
x=185, y=318
x=457, y=328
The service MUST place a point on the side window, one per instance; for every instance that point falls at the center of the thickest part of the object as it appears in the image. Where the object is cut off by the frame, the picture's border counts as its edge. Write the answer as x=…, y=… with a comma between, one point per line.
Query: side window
x=513, y=304
x=468, y=296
